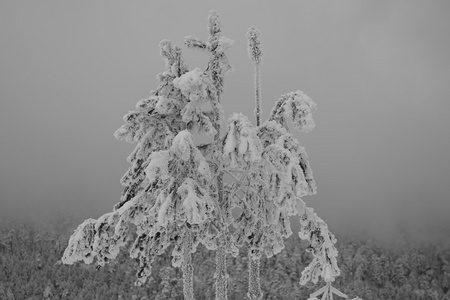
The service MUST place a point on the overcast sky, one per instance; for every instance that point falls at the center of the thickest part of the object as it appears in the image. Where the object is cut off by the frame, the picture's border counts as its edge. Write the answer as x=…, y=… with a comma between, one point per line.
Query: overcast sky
x=379, y=72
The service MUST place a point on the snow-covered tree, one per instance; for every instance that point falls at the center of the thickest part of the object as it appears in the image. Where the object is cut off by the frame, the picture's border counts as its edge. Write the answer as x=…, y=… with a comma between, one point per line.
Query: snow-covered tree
x=179, y=193
x=275, y=175
x=169, y=193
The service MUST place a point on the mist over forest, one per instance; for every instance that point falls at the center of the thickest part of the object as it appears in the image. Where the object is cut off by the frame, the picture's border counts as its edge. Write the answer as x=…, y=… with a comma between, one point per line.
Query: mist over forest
x=377, y=70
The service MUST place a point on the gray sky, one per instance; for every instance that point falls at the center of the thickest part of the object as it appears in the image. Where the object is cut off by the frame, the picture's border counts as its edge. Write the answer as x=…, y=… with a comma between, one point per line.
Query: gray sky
x=378, y=70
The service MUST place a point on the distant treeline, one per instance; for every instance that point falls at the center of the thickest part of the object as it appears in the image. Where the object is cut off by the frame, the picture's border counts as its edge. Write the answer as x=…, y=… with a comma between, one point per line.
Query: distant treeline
x=30, y=268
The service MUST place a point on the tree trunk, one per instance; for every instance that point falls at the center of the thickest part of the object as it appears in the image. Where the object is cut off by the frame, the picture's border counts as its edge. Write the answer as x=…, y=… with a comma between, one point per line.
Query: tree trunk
x=258, y=111
x=188, y=270
x=221, y=275
x=254, y=285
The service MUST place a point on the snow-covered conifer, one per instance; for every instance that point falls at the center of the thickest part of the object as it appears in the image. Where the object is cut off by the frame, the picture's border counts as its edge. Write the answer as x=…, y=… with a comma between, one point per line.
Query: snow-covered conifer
x=175, y=194
x=276, y=184
x=167, y=193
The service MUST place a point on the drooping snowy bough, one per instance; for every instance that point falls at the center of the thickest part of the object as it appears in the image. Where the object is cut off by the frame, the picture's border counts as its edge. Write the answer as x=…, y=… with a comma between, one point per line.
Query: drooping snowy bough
x=179, y=194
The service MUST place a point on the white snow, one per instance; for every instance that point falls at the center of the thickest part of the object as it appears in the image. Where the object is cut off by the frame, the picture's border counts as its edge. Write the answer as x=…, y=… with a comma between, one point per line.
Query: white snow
x=164, y=106
x=79, y=244
x=163, y=217
x=158, y=166
x=181, y=145
x=254, y=45
x=224, y=44
x=194, y=206
x=191, y=85
x=242, y=143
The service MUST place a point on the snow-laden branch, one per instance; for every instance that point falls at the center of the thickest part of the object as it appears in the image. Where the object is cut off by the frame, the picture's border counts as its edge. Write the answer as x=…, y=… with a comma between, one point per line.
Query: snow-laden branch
x=196, y=201
x=242, y=145
x=321, y=246
x=298, y=107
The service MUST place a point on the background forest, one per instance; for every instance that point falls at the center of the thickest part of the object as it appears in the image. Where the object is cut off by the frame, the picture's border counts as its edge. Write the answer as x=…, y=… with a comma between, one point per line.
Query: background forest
x=30, y=268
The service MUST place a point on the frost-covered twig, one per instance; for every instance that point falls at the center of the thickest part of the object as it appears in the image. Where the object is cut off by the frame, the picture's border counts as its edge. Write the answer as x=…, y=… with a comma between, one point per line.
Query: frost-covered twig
x=327, y=292
x=235, y=170
x=231, y=175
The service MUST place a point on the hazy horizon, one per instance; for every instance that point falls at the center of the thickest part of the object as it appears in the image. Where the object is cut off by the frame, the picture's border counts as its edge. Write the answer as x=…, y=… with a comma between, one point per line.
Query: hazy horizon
x=378, y=71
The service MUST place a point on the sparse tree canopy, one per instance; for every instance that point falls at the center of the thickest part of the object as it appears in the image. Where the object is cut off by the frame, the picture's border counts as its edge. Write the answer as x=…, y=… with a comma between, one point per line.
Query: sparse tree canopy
x=179, y=193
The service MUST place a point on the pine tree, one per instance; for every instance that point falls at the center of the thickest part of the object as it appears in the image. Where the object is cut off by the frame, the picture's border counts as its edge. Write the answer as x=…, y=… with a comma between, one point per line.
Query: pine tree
x=277, y=179
x=175, y=190
x=169, y=194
